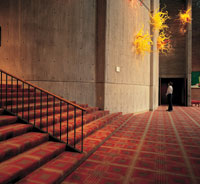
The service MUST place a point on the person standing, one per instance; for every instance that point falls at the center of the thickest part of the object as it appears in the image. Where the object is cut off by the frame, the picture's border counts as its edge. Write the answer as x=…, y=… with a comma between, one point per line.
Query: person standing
x=169, y=96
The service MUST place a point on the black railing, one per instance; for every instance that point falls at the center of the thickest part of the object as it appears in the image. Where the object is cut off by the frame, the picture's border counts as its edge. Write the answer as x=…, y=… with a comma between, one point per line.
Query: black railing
x=41, y=108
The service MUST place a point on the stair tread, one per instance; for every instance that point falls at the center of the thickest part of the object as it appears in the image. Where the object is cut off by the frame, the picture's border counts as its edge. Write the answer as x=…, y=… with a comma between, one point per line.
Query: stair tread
x=89, y=128
x=38, y=104
x=86, y=119
x=54, y=169
x=1, y=111
x=21, y=165
x=19, y=144
x=7, y=119
x=63, y=164
x=96, y=137
x=57, y=118
x=12, y=130
x=9, y=85
x=57, y=110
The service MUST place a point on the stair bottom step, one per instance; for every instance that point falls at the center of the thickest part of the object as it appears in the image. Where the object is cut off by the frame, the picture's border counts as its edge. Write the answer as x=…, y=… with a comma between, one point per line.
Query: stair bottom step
x=21, y=165
x=59, y=168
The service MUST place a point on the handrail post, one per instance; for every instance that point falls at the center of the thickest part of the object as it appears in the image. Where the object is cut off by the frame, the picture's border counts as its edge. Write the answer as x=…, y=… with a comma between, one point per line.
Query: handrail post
x=60, y=120
x=6, y=90
x=40, y=109
x=74, y=127
x=23, y=101
x=34, y=105
x=28, y=100
x=82, y=132
x=53, y=115
x=17, y=98
x=12, y=94
x=67, y=123
x=47, y=111
x=1, y=89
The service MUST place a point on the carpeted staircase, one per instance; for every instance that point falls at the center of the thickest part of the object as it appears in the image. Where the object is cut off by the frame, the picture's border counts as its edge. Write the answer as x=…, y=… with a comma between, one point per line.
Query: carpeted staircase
x=34, y=142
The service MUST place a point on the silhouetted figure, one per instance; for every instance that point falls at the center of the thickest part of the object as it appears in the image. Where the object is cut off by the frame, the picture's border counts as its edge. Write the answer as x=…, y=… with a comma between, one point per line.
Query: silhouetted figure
x=169, y=96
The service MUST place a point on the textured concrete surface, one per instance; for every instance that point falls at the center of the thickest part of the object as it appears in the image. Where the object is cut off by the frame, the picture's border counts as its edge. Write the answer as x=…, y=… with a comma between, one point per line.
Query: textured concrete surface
x=154, y=62
x=72, y=48
x=51, y=43
x=129, y=89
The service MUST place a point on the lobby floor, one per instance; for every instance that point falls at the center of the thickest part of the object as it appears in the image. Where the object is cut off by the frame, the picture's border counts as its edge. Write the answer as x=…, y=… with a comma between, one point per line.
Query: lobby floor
x=157, y=147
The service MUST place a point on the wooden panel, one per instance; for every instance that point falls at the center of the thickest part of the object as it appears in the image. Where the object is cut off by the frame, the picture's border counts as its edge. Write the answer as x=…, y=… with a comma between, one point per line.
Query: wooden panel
x=195, y=94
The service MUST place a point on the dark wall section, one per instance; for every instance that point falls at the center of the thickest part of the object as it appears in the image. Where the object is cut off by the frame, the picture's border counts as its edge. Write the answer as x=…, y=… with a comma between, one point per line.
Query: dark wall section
x=196, y=36
x=173, y=64
x=195, y=93
x=178, y=91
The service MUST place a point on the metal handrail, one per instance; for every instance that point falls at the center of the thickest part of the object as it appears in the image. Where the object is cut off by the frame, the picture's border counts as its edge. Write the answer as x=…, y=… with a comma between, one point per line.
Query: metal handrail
x=30, y=101
x=45, y=91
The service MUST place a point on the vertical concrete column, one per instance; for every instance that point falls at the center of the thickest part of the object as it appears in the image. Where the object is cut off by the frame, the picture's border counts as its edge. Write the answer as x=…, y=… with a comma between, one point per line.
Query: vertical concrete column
x=100, y=52
x=154, y=64
x=189, y=55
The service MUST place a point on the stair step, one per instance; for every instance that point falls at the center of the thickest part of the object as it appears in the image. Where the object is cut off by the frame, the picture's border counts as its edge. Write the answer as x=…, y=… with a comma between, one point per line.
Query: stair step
x=14, y=130
x=9, y=85
x=21, y=143
x=14, y=101
x=64, y=164
x=43, y=112
x=43, y=123
x=1, y=111
x=16, y=94
x=38, y=105
x=86, y=119
x=31, y=106
x=6, y=119
x=19, y=166
x=53, y=171
x=89, y=128
x=105, y=131
x=15, y=90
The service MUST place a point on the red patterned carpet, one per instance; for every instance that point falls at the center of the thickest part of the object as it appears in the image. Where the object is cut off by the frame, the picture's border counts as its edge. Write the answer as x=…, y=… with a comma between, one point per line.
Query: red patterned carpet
x=157, y=147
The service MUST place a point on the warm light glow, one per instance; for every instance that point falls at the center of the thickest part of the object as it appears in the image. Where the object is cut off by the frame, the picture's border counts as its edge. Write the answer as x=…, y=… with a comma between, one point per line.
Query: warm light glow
x=135, y=3
x=183, y=29
x=158, y=20
x=185, y=17
x=163, y=43
x=142, y=42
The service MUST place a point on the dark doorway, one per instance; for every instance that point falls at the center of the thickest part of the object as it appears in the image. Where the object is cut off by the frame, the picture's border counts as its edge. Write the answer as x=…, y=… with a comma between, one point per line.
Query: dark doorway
x=178, y=91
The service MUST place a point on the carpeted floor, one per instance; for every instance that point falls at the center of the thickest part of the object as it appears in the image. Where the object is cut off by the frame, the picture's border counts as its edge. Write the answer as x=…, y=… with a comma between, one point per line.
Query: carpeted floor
x=157, y=147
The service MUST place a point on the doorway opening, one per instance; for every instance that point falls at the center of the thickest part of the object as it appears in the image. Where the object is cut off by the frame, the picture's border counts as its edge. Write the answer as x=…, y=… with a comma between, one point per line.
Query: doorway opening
x=179, y=91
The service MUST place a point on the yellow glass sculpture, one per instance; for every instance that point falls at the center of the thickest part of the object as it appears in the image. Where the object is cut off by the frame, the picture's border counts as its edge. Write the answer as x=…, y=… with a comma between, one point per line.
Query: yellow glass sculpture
x=158, y=20
x=142, y=42
x=163, y=43
x=185, y=17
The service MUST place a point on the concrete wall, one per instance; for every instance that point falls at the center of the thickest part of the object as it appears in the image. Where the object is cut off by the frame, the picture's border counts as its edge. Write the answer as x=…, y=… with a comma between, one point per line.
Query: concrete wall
x=71, y=48
x=154, y=63
x=52, y=44
x=173, y=65
x=129, y=89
